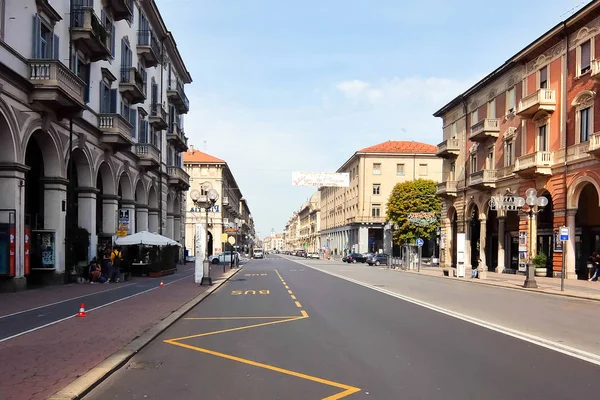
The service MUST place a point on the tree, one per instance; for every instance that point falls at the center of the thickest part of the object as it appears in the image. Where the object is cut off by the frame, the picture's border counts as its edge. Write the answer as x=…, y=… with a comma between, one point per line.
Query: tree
x=418, y=196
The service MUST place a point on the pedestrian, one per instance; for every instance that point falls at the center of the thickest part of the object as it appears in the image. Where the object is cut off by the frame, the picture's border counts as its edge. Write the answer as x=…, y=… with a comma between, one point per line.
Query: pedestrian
x=106, y=267
x=116, y=257
x=596, y=263
x=475, y=273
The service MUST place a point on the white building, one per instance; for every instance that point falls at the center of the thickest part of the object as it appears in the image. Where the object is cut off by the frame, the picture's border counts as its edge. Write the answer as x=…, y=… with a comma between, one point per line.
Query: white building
x=101, y=83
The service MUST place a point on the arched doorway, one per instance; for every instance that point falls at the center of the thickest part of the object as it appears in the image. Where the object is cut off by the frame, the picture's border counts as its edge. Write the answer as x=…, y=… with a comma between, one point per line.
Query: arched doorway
x=453, y=235
x=587, y=221
x=81, y=198
x=491, y=242
x=545, y=233
x=34, y=186
x=141, y=208
x=106, y=207
x=210, y=243
x=11, y=217
x=474, y=234
x=153, y=218
x=170, y=219
x=126, y=205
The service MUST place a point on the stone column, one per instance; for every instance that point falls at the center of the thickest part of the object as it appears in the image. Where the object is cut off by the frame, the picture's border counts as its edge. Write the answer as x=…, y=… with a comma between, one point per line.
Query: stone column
x=482, y=246
x=170, y=225
x=363, y=239
x=153, y=219
x=55, y=195
x=177, y=230
x=467, y=247
x=141, y=218
x=86, y=215
x=501, y=235
x=12, y=197
x=570, y=260
x=110, y=207
x=129, y=205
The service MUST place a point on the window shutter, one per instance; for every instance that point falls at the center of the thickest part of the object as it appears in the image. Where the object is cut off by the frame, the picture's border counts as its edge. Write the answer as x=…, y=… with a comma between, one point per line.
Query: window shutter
x=113, y=101
x=103, y=97
x=36, y=42
x=123, y=56
x=113, y=40
x=132, y=120
x=55, y=47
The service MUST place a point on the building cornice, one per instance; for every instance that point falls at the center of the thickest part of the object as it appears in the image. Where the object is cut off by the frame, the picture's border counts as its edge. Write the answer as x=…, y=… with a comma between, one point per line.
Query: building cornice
x=176, y=59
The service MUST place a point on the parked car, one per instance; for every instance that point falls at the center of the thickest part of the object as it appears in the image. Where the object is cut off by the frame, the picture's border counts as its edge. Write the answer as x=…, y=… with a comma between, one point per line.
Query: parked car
x=377, y=259
x=313, y=255
x=356, y=257
x=224, y=258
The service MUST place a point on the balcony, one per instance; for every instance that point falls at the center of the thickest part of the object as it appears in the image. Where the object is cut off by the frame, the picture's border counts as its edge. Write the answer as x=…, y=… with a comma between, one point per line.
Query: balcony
x=484, y=179
x=148, y=154
x=55, y=88
x=594, y=145
x=365, y=220
x=158, y=117
x=540, y=100
x=595, y=67
x=132, y=85
x=538, y=163
x=148, y=48
x=178, y=178
x=177, y=138
x=120, y=9
x=447, y=189
x=89, y=34
x=116, y=131
x=485, y=129
x=449, y=148
x=177, y=96
x=225, y=201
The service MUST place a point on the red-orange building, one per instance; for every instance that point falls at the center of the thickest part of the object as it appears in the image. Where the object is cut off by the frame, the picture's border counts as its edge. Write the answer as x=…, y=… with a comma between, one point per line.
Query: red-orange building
x=532, y=123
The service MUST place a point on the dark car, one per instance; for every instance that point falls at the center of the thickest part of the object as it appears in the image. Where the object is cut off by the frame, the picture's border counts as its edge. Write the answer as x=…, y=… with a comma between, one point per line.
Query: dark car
x=377, y=259
x=356, y=257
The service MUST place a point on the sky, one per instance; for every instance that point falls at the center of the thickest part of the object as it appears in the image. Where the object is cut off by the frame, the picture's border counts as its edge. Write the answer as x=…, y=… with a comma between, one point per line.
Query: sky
x=282, y=86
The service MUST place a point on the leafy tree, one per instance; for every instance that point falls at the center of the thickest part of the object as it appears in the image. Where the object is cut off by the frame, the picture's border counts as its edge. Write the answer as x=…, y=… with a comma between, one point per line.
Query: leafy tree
x=413, y=197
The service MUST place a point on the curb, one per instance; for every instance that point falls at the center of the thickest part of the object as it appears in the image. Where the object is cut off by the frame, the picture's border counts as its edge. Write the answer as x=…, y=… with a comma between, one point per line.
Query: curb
x=540, y=291
x=88, y=381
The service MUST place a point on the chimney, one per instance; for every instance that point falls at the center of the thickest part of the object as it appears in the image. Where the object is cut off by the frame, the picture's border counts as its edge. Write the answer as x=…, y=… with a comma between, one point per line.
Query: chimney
x=191, y=149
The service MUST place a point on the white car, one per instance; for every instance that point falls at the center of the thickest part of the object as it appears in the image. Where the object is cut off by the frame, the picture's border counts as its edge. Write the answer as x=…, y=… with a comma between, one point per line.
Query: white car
x=224, y=258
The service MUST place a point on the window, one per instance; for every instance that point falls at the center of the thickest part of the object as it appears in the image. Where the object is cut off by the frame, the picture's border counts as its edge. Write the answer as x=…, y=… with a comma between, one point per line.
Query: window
x=452, y=174
x=542, y=141
x=45, y=42
x=489, y=162
x=377, y=169
x=376, y=210
x=2, y=16
x=82, y=70
x=491, y=109
x=400, y=169
x=422, y=169
x=110, y=29
x=143, y=131
x=453, y=130
x=543, y=74
x=376, y=188
x=511, y=100
x=108, y=99
x=130, y=114
x=584, y=125
x=474, y=117
x=585, y=57
x=473, y=163
x=509, y=153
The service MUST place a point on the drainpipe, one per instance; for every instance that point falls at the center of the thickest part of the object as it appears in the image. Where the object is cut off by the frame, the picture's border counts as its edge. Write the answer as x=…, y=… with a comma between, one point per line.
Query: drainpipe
x=70, y=161
x=466, y=164
x=160, y=174
x=565, y=130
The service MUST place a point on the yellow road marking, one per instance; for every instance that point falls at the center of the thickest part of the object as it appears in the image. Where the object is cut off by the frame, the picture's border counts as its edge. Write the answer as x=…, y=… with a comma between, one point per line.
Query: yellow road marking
x=348, y=390
x=293, y=297
x=287, y=287
x=290, y=292
x=304, y=313
x=236, y=318
x=298, y=304
x=284, y=282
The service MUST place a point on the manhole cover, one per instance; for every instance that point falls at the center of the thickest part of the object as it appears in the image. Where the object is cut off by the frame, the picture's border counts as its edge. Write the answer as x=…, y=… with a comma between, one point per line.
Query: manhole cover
x=144, y=365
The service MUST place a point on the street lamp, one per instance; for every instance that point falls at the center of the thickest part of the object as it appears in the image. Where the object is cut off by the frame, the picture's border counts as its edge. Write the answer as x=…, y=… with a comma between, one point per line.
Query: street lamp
x=535, y=205
x=205, y=201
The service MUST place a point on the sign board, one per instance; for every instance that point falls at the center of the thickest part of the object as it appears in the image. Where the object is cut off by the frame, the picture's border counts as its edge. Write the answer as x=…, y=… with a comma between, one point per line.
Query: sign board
x=123, y=228
x=460, y=255
x=422, y=218
x=318, y=179
x=224, y=237
x=199, y=250
x=564, y=233
x=306, y=245
x=420, y=242
x=231, y=240
x=505, y=203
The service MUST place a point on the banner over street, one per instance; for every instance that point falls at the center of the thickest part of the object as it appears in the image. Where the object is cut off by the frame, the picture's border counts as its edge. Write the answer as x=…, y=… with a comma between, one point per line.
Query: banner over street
x=329, y=179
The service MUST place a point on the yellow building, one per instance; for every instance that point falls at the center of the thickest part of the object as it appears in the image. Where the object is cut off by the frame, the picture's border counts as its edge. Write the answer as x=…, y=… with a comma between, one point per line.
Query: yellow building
x=352, y=218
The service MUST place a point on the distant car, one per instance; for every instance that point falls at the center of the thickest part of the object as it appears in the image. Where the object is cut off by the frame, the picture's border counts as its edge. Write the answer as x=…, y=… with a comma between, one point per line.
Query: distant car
x=313, y=255
x=258, y=253
x=356, y=257
x=377, y=259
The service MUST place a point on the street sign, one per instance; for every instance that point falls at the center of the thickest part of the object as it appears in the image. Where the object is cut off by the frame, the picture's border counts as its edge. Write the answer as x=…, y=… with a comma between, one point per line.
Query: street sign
x=420, y=242
x=564, y=233
x=306, y=245
x=345, y=246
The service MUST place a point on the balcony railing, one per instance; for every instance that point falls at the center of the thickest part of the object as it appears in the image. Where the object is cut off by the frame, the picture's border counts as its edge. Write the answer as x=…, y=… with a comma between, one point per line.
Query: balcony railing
x=362, y=220
x=148, y=47
x=178, y=177
x=595, y=67
x=158, y=116
x=132, y=85
x=116, y=130
x=594, y=144
x=177, y=137
x=536, y=163
x=540, y=100
x=176, y=93
x=449, y=148
x=89, y=33
x=446, y=188
x=505, y=172
x=484, y=129
x=56, y=86
x=485, y=177
x=148, y=154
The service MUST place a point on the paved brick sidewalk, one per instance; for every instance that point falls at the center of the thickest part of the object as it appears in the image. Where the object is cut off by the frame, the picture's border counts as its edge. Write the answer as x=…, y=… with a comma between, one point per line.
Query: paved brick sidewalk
x=574, y=288
x=37, y=365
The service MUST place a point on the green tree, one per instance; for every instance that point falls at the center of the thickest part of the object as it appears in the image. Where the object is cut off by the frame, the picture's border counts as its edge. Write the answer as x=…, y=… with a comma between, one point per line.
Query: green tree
x=413, y=197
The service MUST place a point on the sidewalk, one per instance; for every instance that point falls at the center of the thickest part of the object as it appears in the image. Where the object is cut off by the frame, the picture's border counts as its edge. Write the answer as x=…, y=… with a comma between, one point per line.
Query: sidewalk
x=573, y=288
x=38, y=364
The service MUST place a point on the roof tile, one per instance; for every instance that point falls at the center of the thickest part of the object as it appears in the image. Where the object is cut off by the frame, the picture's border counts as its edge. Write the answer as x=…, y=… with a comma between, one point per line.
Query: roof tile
x=401, y=146
x=195, y=156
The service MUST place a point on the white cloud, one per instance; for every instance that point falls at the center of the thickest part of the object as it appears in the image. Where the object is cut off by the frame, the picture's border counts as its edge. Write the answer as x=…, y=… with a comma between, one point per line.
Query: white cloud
x=263, y=146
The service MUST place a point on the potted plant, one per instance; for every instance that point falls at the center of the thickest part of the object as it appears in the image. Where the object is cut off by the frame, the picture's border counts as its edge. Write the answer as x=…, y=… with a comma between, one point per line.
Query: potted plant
x=539, y=262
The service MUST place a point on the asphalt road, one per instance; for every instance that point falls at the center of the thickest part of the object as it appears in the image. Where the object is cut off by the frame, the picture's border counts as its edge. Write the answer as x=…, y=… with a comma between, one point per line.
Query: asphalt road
x=27, y=320
x=327, y=338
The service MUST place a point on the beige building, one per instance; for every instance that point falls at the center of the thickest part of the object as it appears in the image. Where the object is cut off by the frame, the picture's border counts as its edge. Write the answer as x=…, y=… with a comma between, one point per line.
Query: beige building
x=274, y=242
x=304, y=226
x=207, y=172
x=352, y=218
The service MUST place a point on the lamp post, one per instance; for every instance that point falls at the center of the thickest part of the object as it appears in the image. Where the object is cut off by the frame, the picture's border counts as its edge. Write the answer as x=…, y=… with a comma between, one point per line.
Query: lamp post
x=205, y=201
x=535, y=205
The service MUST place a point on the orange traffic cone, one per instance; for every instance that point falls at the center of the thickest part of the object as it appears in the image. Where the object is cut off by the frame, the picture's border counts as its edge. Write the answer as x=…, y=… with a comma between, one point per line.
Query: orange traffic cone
x=82, y=311
x=161, y=284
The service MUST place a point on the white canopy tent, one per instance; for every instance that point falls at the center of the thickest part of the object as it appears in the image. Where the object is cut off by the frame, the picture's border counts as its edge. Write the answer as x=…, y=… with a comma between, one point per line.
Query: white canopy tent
x=146, y=238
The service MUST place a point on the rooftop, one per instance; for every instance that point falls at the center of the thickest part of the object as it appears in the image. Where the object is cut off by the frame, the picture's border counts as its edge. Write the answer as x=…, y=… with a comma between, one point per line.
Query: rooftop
x=401, y=146
x=194, y=156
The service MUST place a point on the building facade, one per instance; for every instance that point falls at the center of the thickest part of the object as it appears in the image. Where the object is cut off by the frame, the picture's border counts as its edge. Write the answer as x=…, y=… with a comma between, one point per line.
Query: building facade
x=91, y=104
x=230, y=214
x=532, y=123
x=302, y=231
x=353, y=218
x=274, y=242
